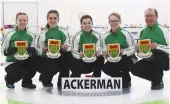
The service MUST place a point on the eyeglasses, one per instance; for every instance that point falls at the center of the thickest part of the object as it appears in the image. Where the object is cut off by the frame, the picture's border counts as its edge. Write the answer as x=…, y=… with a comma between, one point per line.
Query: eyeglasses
x=114, y=21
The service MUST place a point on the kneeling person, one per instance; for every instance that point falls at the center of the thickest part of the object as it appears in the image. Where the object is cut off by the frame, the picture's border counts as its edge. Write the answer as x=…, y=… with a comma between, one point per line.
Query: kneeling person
x=55, y=50
x=155, y=58
x=118, y=48
x=20, y=50
x=86, y=50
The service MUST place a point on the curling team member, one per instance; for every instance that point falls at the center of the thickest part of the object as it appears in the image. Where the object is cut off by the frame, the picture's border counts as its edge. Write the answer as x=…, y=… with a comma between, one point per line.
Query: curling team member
x=86, y=50
x=18, y=47
x=151, y=68
x=57, y=56
x=118, y=65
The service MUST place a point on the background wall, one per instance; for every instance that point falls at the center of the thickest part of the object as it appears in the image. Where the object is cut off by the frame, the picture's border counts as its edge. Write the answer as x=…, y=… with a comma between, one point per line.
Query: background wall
x=132, y=11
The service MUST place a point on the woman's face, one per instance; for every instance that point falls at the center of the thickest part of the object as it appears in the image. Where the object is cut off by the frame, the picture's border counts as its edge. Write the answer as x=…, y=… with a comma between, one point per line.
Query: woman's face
x=53, y=20
x=114, y=22
x=22, y=22
x=87, y=24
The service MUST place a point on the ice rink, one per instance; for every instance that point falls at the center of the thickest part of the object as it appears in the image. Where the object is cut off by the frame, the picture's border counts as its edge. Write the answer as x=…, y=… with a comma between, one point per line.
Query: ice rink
x=132, y=13
x=138, y=93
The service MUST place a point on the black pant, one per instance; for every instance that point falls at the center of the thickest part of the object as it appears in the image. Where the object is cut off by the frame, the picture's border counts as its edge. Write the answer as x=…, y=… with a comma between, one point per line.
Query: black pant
x=24, y=69
x=152, y=68
x=80, y=67
x=119, y=69
x=40, y=63
x=52, y=66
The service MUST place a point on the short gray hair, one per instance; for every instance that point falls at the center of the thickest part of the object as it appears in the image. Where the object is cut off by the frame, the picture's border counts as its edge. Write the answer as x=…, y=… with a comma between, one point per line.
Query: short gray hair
x=156, y=12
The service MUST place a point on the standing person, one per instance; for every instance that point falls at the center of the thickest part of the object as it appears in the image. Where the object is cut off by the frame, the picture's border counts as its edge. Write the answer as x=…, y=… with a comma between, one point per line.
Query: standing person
x=80, y=63
x=54, y=64
x=121, y=66
x=19, y=49
x=151, y=68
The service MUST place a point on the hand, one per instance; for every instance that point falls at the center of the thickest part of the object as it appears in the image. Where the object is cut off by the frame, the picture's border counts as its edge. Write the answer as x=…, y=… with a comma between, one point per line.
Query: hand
x=154, y=45
x=64, y=47
x=32, y=51
x=44, y=49
x=105, y=53
x=137, y=48
x=10, y=51
x=81, y=54
x=121, y=51
x=97, y=53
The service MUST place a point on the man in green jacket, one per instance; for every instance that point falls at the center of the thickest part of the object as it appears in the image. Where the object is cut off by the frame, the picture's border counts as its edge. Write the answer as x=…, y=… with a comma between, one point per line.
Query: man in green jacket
x=151, y=68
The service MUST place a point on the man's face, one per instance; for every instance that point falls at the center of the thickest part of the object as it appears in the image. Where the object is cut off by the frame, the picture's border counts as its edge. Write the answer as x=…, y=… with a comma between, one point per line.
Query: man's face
x=150, y=17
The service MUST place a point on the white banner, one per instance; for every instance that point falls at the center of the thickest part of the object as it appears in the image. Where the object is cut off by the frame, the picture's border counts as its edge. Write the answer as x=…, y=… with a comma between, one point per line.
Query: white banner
x=91, y=84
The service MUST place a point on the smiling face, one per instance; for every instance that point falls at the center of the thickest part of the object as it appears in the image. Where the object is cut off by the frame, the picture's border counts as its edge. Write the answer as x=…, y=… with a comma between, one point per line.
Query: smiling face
x=52, y=20
x=150, y=17
x=86, y=24
x=22, y=21
x=114, y=22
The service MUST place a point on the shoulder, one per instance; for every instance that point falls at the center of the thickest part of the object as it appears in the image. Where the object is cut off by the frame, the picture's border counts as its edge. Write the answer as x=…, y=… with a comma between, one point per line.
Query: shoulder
x=142, y=29
x=10, y=33
x=8, y=36
x=31, y=34
x=125, y=32
x=77, y=35
x=96, y=33
x=163, y=28
x=106, y=34
x=63, y=29
x=44, y=32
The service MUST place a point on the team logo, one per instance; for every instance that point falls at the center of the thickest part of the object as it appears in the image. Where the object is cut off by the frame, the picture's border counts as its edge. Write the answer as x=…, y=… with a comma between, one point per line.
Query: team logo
x=54, y=46
x=113, y=50
x=89, y=50
x=21, y=47
x=144, y=46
